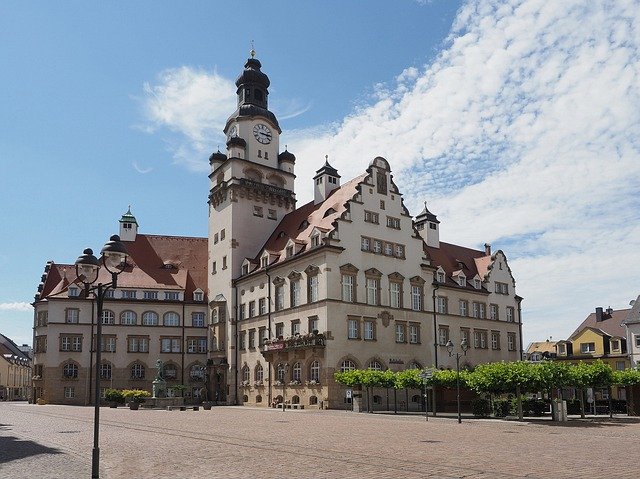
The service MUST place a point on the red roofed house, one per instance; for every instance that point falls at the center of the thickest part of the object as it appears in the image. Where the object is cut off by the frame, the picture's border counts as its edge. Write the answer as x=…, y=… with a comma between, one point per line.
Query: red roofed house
x=292, y=294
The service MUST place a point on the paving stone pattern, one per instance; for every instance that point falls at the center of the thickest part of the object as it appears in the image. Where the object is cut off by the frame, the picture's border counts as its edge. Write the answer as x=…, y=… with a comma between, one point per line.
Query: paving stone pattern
x=241, y=442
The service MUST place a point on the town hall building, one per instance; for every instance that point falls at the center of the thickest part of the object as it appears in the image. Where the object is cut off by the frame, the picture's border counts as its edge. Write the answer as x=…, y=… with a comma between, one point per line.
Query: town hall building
x=290, y=294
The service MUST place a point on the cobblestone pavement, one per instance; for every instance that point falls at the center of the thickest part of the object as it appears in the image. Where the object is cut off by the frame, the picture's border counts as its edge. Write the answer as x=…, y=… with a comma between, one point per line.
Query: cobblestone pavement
x=227, y=442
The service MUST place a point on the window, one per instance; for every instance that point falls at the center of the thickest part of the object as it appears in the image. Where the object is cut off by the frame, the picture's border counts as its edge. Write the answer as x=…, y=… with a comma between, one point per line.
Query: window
x=312, y=289
x=105, y=371
x=462, y=281
x=72, y=342
x=347, y=288
x=213, y=268
x=170, y=345
x=464, y=335
x=128, y=318
x=138, y=344
x=399, y=251
x=197, y=345
x=347, y=365
x=620, y=365
x=242, y=341
x=381, y=181
x=443, y=335
x=479, y=310
x=296, y=372
x=259, y=374
x=377, y=246
x=365, y=244
x=502, y=288
x=42, y=318
x=442, y=304
x=150, y=295
x=400, y=332
x=149, y=318
x=289, y=251
x=295, y=293
x=414, y=333
x=615, y=345
x=41, y=344
x=495, y=340
x=70, y=371
x=198, y=296
x=170, y=371
x=314, y=371
x=242, y=311
x=197, y=320
x=215, y=238
x=108, y=317
x=440, y=277
x=69, y=392
x=493, y=311
x=314, y=324
x=393, y=222
x=480, y=339
x=372, y=291
x=511, y=343
x=352, y=325
x=375, y=365
x=279, y=297
x=510, y=314
x=171, y=296
x=222, y=234
x=73, y=292
x=477, y=283
x=72, y=315
x=272, y=213
x=257, y=211
x=371, y=217
x=281, y=372
x=637, y=336
x=369, y=330
x=252, y=309
x=224, y=262
x=416, y=298
x=587, y=348
x=279, y=330
x=464, y=307
x=252, y=339
x=295, y=327
x=395, y=295
x=262, y=306
x=137, y=371
x=315, y=240
x=129, y=294
x=108, y=344
x=381, y=204
x=109, y=294
x=171, y=319
x=263, y=335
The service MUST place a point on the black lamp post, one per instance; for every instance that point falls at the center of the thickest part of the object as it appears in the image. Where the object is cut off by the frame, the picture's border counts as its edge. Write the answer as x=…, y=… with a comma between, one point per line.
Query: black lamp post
x=114, y=259
x=285, y=368
x=464, y=346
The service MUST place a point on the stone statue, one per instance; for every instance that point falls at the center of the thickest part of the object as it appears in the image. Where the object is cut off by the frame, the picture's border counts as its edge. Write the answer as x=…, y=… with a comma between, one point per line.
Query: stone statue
x=159, y=366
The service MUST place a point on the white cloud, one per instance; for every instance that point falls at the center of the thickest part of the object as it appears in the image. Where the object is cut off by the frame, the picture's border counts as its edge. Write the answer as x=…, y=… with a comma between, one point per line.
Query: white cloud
x=16, y=306
x=524, y=132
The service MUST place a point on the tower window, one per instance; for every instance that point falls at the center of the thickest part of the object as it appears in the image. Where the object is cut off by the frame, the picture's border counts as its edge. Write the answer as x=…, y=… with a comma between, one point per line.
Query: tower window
x=259, y=153
x=259, y=96
x=127, y=226
x=247, y=93
x=266, y=155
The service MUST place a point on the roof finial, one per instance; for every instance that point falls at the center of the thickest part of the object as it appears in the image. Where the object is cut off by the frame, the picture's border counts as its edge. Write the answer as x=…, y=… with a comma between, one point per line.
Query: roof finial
x=252, y=52
x=285, y=147
x=425, y=205
x=326, y=159
x=129, y=210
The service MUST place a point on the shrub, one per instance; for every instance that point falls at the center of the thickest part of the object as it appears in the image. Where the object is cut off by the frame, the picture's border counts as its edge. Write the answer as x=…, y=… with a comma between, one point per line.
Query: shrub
x=114, y=395
x=501, y=407
x=481, y=407
x=136, y=395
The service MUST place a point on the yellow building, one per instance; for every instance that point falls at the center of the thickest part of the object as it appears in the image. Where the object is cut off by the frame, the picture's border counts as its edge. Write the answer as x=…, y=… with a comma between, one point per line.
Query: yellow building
x=15, y=371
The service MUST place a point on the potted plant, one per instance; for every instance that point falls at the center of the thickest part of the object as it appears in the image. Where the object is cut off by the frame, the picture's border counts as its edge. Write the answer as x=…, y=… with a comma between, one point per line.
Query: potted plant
x=114, y=397
x=135, y=397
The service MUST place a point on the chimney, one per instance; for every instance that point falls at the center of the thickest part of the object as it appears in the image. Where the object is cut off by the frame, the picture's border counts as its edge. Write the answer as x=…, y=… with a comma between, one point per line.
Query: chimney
x=599, y=315
x=609, y=310
x=487, y=249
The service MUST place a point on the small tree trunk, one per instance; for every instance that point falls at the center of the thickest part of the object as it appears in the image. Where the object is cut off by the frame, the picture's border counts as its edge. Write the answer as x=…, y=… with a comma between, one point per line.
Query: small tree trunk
x=520, y=414
x=395, y=401
x=610, y=403
x=406, y=394
x=582, y=403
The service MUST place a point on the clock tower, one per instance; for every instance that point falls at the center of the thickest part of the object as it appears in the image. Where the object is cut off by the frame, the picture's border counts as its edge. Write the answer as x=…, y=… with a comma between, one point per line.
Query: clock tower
x=251, y=190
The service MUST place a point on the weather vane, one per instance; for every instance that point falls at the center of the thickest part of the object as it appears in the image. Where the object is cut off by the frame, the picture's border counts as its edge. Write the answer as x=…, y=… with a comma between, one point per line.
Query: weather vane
x=252, y=52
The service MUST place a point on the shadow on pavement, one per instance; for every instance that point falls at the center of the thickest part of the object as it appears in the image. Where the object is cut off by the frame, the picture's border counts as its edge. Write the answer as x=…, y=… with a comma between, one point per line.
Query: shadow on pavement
x=589, y=422
x=13, y=448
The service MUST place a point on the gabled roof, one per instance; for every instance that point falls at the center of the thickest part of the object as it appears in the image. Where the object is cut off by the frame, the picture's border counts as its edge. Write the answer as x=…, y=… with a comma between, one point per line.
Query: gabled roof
x=633, y=316
x=610, y=326
x=165, y=262
x=299, y=224
x=448, y=256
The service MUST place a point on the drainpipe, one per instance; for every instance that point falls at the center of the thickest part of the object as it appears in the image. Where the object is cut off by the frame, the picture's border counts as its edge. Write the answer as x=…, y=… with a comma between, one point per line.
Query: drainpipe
x=235, y=341
x=270, y=394
x=435, y=327
x=520, y=327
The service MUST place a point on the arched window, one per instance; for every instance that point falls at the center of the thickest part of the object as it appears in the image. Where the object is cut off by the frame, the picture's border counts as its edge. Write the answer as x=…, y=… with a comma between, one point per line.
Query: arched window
x=171, y=319
x=281, y=372
x=246, y=374
x=196, y=372
x=415, y=398
x=259, y=372
x=170, y=371
x=375, y=365
x=105, y=371
x=128, y=318
x=108, y=317
x=347, y=365
x=314, y=371
x=414, y=365
x=137, y=371
x=296, y=372
x=313, y=400
x=295, y=400
x=70, y=371
x=150, y=318
x=245, y=398
x=258, y=398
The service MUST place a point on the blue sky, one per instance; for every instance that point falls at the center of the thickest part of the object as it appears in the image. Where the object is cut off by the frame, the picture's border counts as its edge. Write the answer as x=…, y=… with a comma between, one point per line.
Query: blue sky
x=517, y=121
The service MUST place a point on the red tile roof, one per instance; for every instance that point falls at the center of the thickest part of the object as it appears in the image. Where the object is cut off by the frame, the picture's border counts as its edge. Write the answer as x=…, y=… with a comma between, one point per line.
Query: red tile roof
x=611, y=326
x=451, y=257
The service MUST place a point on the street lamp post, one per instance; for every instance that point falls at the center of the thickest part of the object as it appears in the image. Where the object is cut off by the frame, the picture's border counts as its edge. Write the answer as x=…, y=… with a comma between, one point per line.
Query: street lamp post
x=285, y=368
x=464, y=346
x=114, y=259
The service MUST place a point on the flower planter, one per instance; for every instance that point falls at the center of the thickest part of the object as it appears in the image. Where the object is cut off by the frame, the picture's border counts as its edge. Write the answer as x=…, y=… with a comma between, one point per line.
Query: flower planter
x=134, y=406
x=206, y=405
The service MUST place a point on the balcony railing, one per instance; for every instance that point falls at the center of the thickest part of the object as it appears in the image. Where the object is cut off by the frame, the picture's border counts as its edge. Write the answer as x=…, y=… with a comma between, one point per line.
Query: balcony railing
x=295, y=342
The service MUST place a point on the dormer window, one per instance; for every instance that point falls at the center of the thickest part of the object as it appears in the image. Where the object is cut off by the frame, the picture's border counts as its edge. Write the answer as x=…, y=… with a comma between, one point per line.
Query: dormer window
x=289, y=251
x=477, y=283
x=245, y=269
x=440, y=276
x=615, y=345
x=73, y=292
x=198, y=296
x=561, y=349
x=462, y=281
x=264, y=262
x=315, y=240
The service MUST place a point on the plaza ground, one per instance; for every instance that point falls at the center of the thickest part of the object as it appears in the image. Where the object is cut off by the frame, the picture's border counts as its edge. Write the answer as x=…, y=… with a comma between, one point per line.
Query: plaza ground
x=239, y=442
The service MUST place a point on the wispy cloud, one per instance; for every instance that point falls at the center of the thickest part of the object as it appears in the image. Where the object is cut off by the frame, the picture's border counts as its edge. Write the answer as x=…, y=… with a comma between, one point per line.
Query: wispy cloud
x=524, y=132
x=16, y=306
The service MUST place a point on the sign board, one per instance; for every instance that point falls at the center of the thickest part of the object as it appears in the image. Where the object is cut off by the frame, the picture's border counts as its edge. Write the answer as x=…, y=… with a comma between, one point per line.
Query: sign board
x=349, y=393
x=426, y=374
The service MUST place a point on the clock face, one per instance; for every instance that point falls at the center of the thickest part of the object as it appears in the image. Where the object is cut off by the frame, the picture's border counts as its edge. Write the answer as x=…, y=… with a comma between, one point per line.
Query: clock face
x=262, y=133
x=233, y=131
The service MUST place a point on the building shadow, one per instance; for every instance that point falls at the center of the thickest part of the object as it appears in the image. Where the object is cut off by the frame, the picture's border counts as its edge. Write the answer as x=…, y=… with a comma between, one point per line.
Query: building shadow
x=13, y=448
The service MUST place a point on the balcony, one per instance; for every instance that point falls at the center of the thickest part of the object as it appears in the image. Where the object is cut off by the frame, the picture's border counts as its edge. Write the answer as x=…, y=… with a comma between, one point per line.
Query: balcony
x=294, y=343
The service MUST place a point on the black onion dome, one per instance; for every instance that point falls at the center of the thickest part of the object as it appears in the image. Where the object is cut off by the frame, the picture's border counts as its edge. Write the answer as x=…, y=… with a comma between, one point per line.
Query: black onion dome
x=252, y=74
x=217, y=156
x=426, y=215
x=236, y=141
x=248, y=110
x=287, y=156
